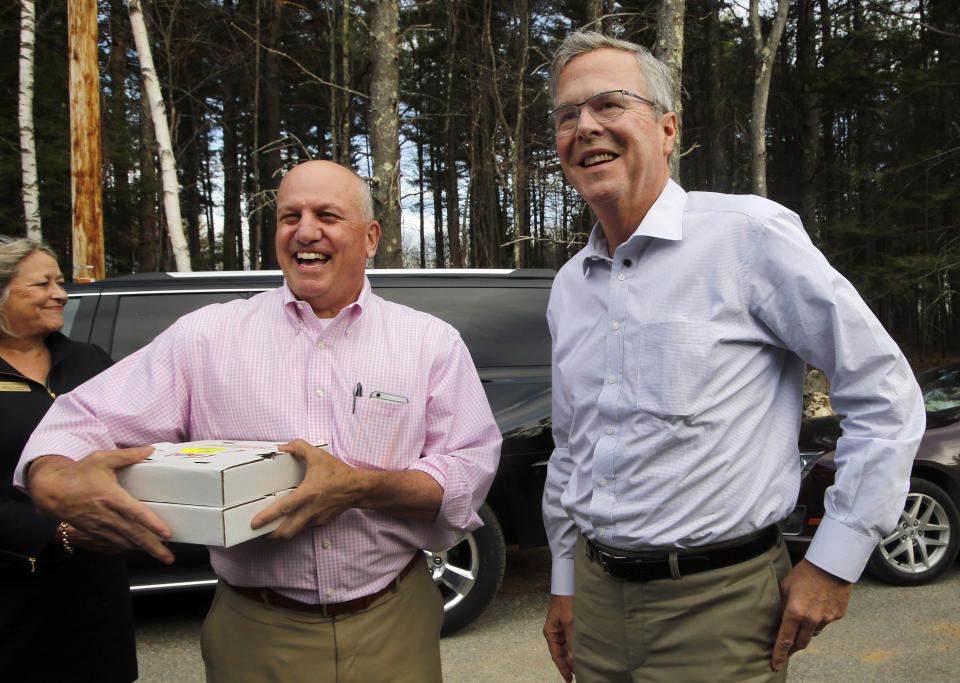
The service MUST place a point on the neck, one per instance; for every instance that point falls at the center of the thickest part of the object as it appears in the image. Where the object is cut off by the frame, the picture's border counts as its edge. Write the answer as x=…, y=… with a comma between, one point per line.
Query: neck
x=619, y=219
x=617, y=229
x=23, y=346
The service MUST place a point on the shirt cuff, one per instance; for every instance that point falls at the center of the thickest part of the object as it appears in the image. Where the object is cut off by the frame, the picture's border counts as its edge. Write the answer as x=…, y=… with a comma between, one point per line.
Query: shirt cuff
x=561, y=581
x=840, y=550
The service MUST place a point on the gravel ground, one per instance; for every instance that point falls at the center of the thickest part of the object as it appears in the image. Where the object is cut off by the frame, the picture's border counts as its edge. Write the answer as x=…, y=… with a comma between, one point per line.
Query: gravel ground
x=889, y=634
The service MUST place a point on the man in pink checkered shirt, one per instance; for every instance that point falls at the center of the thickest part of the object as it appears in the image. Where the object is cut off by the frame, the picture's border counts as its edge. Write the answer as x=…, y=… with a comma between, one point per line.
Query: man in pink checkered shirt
x=340, y=591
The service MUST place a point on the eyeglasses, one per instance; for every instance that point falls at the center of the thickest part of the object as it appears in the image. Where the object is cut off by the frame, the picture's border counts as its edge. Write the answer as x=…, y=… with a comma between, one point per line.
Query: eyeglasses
x=604, y=106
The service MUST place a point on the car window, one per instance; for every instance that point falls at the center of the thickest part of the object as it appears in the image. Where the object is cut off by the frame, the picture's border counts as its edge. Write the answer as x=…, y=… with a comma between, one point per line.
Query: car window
x=69, y=315
x=502, y=326
x=141, y=317
x=941, y=388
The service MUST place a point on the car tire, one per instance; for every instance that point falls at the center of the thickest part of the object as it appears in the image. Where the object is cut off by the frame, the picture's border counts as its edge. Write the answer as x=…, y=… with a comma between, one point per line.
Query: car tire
x=925, y=542
x=469, y=573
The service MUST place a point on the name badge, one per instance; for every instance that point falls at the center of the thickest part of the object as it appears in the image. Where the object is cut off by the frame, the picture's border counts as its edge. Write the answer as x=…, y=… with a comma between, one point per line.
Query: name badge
x=14, y=386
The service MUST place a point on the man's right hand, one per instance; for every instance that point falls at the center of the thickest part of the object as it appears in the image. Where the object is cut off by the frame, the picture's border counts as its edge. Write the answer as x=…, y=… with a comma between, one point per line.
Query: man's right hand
x=558, y=630
x=86, y=494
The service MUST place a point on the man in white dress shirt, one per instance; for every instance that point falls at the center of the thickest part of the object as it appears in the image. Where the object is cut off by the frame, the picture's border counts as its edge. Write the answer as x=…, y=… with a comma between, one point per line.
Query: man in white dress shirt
x=681, y=334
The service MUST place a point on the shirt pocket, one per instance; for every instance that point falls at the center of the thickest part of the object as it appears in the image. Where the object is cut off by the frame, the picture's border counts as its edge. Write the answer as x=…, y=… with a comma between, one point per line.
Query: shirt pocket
x=674, y=366
x=375, y=435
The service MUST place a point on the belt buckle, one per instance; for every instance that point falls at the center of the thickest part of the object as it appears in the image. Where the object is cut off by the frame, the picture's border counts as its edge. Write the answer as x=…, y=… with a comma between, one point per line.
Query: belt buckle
x=606, y=559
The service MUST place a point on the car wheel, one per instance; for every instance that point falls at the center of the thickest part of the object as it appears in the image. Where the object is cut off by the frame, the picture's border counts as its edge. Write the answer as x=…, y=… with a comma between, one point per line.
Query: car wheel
x=925, y=542
x=469, y=573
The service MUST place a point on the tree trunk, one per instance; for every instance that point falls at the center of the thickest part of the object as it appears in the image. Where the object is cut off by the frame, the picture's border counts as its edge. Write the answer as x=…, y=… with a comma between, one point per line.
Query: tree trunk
x=118, y=149
x=384, y=140
x=171, y=201
x=764, y=53
x=450, y=143
x=232, y=218
x=518, y=142
x=719, y=159
x=346, y=97
x=148, y=238
x=669, y=50
x=28, y=143
x=270, y=160
x=185, y=149
x=810, y=112
x=437, y=183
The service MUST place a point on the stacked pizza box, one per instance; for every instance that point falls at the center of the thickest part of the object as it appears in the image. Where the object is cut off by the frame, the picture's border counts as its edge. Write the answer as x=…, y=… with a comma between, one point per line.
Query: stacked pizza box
x=207, y=492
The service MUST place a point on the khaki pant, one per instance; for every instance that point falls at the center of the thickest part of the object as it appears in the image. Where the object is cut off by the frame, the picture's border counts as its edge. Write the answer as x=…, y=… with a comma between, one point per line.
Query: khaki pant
x=396, y=639
x=718, y=625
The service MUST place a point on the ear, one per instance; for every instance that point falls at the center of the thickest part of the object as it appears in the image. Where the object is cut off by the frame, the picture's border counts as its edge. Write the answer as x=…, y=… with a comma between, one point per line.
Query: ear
x=669, y=126
x=372, y=238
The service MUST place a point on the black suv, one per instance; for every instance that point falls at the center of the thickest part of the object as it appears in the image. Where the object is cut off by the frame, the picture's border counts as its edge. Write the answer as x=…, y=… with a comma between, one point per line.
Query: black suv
x=501, y=315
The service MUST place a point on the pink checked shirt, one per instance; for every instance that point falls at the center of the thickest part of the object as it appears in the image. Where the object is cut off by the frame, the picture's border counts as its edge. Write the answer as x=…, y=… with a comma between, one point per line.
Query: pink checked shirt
x=265, y=369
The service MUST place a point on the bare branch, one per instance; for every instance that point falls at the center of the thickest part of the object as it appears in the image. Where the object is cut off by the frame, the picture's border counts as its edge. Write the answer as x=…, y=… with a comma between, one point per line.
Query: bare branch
x=300, y=66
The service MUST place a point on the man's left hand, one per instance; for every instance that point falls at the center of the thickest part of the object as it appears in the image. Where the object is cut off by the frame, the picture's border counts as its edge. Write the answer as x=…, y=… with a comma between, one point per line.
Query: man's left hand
x=328, y=488
x=811, y=598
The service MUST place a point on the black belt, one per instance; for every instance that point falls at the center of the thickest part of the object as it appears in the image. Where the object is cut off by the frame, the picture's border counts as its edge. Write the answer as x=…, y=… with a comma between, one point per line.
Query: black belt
x=643, y=566
x=271, y=598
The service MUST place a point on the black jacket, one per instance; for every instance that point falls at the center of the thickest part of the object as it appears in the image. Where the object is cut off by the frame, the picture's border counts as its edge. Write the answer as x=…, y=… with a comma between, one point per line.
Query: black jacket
x=23, y=403
x=63, y=617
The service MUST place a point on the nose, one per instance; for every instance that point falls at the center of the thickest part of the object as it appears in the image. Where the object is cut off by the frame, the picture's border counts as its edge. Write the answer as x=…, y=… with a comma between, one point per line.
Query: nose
x=58, y=292
x=586, y=124
x=309, y=229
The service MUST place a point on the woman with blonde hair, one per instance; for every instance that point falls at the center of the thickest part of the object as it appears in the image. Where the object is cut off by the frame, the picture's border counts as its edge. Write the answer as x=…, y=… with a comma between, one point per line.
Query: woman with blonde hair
x=65, y=608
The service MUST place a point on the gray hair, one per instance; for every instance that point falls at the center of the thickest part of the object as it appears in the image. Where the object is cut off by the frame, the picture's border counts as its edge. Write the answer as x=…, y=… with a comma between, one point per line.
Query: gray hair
x=11, y=254
x=658, y=79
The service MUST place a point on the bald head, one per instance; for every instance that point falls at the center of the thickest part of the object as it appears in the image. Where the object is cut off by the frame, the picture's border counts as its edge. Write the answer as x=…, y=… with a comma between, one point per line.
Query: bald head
x=321, y=168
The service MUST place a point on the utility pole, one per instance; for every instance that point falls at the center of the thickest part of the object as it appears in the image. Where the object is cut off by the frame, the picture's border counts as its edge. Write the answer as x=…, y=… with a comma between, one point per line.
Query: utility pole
x=85, y=155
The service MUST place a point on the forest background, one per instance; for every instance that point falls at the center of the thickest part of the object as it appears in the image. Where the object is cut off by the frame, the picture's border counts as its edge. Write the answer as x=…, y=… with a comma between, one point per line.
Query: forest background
x=860, y=134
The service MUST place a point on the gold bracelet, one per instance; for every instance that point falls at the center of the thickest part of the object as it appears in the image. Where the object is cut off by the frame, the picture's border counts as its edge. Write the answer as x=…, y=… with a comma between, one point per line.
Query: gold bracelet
x=65, y=538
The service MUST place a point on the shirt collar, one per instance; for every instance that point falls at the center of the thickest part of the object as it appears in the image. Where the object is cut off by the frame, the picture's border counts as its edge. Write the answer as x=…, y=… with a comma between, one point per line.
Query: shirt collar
x=296, y=309
x=664, y=221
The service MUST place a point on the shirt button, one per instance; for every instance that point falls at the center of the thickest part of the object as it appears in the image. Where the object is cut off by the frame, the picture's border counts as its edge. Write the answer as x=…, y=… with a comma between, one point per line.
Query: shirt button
x=300, y=306
x=615, y=325
x=609, y=430
x=621, y=277
x=627, y=263
x=326, y=545
x=601, y=531
x=319, y=392
x=330, y=594
x=613, y=380
x=320, y=345
x=603, y=482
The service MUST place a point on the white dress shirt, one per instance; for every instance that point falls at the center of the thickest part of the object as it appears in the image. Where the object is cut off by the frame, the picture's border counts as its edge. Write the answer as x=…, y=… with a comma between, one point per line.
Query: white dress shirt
x=678, y=369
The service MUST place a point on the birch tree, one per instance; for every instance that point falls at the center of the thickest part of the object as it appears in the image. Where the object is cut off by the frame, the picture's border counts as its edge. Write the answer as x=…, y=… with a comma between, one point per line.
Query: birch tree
x=384, y=133
x=28, y=143
x=765, y=51
x=168, y=169
x=669, y=50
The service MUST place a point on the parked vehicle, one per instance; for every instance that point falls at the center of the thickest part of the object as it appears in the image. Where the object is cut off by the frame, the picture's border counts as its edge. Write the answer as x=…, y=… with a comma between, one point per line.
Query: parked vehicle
x=501, y=315
x=927, y=538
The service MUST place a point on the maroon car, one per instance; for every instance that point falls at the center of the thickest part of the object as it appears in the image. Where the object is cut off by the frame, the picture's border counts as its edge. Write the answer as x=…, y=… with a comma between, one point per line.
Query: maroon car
x=927, y=537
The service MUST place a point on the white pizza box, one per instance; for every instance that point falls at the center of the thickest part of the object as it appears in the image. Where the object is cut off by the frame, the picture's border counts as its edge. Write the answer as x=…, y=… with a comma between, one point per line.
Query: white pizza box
x=218, y=474
x=221, y=527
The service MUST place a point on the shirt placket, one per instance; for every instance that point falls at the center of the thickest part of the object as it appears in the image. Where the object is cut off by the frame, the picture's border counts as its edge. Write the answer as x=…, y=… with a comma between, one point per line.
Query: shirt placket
x=604, y=482
x=321, y=395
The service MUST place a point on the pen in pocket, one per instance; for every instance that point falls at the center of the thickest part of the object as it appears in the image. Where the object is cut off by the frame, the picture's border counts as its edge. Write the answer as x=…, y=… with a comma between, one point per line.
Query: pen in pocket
x=356, y=392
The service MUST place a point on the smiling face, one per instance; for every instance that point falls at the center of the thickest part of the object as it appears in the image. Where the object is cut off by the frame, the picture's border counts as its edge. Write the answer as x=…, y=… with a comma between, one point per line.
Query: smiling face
x=34, y=305
x=325, y=234
x=619, y=167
